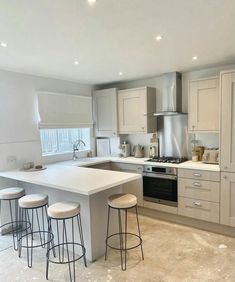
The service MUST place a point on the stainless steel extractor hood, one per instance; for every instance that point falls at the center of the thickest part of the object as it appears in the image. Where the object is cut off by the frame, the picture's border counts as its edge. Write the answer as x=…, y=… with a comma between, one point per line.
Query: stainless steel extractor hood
x=171, y=95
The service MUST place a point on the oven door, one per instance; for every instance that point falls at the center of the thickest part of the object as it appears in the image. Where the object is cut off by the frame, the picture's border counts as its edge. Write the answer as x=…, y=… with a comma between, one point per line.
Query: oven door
x=160, y=188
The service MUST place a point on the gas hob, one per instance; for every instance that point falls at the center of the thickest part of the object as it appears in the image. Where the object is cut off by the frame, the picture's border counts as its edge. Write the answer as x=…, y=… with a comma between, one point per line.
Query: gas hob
x=170, y=160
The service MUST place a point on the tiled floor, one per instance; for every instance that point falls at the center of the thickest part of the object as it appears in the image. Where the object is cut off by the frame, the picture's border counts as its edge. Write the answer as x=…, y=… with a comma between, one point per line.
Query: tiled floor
x=172, y=253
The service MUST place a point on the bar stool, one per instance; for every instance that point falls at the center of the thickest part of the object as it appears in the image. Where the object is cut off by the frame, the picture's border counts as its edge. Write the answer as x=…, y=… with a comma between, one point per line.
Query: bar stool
x=123, y=202
x=30, y=207
x=11, y=195
x=64, y=213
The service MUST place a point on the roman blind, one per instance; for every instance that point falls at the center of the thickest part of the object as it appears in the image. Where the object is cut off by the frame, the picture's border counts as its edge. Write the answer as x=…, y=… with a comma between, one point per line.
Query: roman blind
x=64, y=111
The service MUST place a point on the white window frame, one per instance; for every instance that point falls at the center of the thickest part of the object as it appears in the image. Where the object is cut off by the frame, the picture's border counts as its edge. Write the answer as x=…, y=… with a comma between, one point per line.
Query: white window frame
x=69, y=149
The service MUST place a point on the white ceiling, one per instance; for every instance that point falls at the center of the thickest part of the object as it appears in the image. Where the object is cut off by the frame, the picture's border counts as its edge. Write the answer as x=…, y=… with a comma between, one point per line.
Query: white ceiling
x=45, y=36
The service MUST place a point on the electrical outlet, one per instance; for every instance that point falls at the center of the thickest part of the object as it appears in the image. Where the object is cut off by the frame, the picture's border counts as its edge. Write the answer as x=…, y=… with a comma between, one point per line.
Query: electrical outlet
x=11, y=159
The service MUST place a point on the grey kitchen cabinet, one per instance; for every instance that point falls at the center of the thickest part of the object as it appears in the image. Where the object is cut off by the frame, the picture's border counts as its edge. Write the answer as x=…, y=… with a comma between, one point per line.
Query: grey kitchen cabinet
x=105, y=112
x=135, y=110
x=199, y=194
x=133, y=187
x=203, y=105
x=227, y=123
x=227, y=197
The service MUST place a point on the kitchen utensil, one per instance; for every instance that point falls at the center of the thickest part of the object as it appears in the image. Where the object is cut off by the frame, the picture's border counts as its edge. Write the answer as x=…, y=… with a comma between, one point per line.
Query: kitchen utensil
x=138, y=151
x=152, y=151
x=211, y=156
x=125, y=148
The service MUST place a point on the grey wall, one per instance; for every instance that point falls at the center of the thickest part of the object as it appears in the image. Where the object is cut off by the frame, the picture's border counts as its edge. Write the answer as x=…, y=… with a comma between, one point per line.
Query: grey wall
x=208, y=140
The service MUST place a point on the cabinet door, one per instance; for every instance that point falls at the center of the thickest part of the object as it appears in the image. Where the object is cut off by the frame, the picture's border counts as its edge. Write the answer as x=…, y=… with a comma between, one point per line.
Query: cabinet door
x=227, y=199
x=204, y=105
x=105, y=112
x=227, y=139
x=132, y=107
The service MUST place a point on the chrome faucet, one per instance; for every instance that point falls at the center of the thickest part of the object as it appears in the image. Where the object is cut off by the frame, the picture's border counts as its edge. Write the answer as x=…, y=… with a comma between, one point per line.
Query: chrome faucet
x=76, y=146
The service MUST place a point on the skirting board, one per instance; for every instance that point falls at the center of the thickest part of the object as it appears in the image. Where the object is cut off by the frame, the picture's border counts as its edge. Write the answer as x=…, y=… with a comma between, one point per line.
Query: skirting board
x=204, y=225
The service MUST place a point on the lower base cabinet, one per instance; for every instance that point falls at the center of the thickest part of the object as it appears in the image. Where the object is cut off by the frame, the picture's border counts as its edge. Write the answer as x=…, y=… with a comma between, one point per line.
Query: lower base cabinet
x=227, y=199
x=198, y=209
x=199, y=194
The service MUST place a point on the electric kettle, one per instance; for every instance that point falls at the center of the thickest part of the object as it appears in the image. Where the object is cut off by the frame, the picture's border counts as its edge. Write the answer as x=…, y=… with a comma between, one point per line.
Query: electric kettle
x=138, y=151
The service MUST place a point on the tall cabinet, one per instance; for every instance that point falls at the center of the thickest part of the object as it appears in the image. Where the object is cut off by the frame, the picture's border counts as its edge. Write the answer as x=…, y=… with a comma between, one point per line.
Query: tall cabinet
x=227, y=148
x=105, y=112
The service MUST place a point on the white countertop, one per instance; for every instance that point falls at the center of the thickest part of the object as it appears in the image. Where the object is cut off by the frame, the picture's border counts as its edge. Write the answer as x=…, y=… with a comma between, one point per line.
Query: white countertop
x=140, y=161
x=76, y=176
x=71, y=178
x=199, y=165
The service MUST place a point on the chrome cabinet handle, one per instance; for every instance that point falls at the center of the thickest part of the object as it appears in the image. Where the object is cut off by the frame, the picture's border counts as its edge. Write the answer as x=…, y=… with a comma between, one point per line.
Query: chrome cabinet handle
x=197, y=174
x=197, y=184
x=198, y=204
x=225, y=177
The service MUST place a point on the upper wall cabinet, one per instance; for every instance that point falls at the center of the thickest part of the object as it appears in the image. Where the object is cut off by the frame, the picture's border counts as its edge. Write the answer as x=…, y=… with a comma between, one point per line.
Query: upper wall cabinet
x=135, y=110
x=227, y=136
x=105, y=112
x=204, y=105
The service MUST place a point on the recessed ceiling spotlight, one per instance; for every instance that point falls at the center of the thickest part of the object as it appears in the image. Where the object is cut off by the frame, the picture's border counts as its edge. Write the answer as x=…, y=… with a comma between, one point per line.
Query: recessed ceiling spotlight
x=194, y=58
x=120, y=73
x=3, y=44
x=91, y=2
x=159, y=37
x=76, y=62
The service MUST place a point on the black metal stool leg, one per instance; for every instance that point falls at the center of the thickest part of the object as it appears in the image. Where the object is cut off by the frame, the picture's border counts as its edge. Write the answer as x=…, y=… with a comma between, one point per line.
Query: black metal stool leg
x=73, y=248
x=107, y=234
x=120, y=235
x=20, y=232
x=48, y=247
x=39, y=229
x=58, y=238
x=138, y=225
x=125, y=252
x=81, y=239
x=12, y=226
x=67, y=247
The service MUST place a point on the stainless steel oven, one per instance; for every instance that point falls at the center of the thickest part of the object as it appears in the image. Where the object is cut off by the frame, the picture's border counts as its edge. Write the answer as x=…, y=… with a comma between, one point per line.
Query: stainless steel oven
x=160, y=185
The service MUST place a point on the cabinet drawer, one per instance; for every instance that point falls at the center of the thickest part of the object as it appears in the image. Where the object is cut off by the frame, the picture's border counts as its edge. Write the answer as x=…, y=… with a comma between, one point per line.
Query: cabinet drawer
x=198, y=209
x=199, y=174
x=199, y=189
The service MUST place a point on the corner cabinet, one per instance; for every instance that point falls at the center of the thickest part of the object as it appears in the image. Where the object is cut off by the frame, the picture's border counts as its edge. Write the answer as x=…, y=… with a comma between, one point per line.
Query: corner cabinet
x=203, y=105
x=135, y=110
x=105, y=112
x=227, y=136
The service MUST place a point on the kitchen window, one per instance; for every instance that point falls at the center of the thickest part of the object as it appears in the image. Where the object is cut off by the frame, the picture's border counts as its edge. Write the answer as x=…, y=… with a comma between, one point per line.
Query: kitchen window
x=59, y=141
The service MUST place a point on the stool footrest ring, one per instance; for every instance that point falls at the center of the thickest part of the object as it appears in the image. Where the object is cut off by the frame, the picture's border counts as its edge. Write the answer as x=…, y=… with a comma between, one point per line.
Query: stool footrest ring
x=123, y=234
x=47, y=241
x=17, y=228
x=64, y=245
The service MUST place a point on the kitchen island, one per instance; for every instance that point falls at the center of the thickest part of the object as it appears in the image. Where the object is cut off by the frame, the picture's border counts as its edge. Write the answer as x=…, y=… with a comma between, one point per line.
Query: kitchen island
x=90, y=187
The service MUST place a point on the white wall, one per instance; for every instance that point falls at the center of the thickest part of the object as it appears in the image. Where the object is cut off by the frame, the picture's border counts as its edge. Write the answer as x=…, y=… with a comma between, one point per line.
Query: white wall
x=19, y=134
